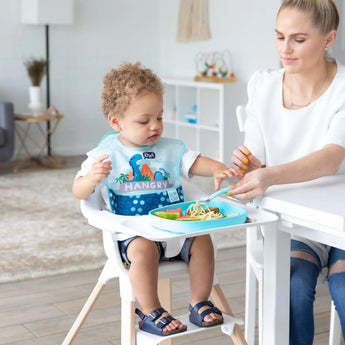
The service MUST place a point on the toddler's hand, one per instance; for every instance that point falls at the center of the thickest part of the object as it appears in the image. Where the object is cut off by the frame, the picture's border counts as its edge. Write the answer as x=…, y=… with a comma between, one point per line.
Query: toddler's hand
x=220, y=174
x=100, y=169
x=244, y=162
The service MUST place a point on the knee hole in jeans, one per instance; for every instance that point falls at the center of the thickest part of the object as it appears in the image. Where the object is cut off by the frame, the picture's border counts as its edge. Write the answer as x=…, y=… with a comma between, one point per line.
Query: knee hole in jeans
x=299, y=254
x=337, y=267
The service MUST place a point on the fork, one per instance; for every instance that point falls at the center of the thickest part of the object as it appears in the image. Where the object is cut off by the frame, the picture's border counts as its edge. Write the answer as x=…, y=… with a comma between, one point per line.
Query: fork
x=212, y=196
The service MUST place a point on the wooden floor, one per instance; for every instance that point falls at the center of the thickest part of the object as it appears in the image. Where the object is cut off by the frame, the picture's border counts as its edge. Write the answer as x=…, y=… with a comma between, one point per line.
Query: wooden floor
x=41, y=311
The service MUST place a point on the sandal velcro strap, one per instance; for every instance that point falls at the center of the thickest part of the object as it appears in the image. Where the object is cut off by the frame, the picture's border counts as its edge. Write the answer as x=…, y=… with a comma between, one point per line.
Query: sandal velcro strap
x=164, y=321
x=198, y=319
x=155, y=314
x=148, y=323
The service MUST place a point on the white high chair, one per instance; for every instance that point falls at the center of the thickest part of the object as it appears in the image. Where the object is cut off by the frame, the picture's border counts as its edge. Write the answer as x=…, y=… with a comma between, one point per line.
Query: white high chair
x=254, y=276
x=130, y=334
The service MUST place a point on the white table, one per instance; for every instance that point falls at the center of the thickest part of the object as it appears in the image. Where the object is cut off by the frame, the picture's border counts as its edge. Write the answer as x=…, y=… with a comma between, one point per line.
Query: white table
x=319, y=207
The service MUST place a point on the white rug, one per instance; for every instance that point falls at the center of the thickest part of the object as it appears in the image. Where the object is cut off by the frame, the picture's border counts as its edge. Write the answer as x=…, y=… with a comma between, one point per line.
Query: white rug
x=42, y=231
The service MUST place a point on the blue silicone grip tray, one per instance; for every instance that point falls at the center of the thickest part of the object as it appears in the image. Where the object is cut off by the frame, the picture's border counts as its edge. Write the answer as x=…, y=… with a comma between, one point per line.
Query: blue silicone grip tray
x=183, y=226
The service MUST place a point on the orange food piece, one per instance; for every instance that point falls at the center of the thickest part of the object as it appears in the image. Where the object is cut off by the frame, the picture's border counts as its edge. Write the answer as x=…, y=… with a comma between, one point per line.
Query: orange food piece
x=175, y=210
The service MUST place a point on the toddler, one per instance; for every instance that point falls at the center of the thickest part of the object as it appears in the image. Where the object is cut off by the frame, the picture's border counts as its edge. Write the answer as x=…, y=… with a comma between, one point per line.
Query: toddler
x=122, y=164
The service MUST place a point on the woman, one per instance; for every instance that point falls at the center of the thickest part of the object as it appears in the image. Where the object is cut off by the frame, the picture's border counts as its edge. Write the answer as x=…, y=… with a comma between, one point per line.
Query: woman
x=295, y=132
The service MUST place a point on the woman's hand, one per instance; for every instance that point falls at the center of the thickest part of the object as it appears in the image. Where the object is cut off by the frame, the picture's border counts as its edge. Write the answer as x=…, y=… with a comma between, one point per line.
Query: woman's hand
x=243, y=162
x=253, y=185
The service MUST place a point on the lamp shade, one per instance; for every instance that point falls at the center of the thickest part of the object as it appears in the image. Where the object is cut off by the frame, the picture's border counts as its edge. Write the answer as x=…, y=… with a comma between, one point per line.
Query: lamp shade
x=47, y=12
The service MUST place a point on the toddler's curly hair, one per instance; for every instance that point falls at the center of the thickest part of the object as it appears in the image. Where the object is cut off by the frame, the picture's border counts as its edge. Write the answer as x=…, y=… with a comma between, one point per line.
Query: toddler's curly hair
x=122, y=85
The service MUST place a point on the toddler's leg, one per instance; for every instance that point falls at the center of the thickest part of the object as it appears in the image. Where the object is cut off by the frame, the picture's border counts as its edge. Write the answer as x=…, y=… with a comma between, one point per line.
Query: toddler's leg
x=201, y=271
x=143, y=274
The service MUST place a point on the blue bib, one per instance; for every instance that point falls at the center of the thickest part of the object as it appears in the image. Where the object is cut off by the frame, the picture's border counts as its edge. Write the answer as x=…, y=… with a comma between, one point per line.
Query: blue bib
x=142, y=178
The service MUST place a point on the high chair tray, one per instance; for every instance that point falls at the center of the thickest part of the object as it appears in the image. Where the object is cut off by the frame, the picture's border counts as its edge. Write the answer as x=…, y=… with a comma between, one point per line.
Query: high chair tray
x=235, y=216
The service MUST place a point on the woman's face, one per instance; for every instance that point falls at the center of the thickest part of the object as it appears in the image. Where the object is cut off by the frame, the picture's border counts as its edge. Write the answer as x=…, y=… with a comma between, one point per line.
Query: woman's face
x=301, y=46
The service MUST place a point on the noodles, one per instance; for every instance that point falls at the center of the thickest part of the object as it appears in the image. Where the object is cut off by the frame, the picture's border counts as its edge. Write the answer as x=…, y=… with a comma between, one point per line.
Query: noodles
x=197, y=210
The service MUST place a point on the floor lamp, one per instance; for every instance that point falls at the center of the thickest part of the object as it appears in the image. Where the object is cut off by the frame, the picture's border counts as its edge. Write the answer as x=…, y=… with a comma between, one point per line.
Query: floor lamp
x=47, y=12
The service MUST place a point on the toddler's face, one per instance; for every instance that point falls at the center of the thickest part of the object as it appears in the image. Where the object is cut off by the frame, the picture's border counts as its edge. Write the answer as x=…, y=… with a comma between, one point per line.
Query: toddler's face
x=142, y=123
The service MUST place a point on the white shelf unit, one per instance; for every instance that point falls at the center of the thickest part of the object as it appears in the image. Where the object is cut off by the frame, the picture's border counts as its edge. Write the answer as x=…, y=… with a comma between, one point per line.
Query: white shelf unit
x=215, y=133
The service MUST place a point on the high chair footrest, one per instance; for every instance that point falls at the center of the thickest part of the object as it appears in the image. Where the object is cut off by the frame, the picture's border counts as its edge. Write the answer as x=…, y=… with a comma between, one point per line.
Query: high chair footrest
x=144, y=338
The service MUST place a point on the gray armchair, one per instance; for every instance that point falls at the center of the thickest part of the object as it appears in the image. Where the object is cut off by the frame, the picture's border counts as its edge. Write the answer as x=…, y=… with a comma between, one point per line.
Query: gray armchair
x=6, y=131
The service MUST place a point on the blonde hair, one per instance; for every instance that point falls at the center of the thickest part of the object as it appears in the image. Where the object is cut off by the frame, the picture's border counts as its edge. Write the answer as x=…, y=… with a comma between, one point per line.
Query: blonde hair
x=322, y=13
x=126, y=83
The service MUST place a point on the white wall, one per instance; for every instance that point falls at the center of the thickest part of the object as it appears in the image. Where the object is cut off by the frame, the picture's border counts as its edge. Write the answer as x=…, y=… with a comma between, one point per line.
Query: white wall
x=245, y=27
x=108, y=32
x=338, y=49
x=104, y=34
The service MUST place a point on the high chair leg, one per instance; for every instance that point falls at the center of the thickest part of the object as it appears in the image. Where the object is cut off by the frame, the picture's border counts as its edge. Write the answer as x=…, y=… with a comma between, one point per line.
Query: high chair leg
x=222, y=303
x=334, y=328
x=249, y=330
x=127, y=322
x=164, y=293
x=83, y=313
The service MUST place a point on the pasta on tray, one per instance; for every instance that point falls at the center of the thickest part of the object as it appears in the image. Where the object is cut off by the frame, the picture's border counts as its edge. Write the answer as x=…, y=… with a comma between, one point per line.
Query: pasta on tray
x=193, y=216
x=195, y=211
x=203, y=213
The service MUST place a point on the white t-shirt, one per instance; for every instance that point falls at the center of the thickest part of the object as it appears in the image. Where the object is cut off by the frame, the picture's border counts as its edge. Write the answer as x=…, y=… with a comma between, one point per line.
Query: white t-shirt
x=277, y=135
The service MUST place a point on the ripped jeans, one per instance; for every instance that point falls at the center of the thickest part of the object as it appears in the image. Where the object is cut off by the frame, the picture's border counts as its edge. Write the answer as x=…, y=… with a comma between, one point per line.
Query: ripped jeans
x=303, y=281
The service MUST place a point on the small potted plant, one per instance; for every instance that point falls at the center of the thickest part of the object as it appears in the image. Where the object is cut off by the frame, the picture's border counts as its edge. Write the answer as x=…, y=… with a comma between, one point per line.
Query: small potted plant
x=36, y=69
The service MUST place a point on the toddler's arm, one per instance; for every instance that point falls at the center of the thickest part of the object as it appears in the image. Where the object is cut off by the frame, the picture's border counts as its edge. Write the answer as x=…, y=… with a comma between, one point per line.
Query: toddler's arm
x=204, y=166
x=84, y=186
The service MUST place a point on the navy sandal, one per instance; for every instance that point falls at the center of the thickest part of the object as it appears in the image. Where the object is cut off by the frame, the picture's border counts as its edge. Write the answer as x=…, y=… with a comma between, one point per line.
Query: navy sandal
x=197, y=318
x=148, y=324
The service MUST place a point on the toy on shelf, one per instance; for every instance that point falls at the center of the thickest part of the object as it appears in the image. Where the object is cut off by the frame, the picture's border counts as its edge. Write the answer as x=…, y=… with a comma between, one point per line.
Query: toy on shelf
x=214, y=67
x=191, y=116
